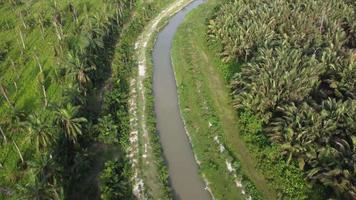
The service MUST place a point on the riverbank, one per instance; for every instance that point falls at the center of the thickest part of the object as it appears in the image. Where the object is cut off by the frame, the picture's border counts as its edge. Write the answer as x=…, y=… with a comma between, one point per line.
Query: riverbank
x=150, y=172
x=179, y=156
x=210, y=118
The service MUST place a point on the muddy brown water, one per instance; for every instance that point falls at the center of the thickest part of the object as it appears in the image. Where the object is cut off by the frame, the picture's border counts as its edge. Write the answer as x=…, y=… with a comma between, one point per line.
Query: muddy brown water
x=183, y=169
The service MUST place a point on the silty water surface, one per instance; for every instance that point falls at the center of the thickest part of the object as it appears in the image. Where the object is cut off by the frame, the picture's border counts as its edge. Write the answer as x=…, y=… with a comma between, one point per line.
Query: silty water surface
x=183, y=169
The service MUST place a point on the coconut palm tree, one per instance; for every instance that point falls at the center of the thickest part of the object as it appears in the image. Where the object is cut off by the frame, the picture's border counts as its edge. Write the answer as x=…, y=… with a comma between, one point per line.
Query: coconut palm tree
x=69, y=122
x=79, y=72
x=44, y=185
x=40, y=132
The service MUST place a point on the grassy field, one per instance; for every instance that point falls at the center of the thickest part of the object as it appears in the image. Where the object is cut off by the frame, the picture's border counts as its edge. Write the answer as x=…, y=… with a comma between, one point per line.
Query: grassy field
x=206, y=107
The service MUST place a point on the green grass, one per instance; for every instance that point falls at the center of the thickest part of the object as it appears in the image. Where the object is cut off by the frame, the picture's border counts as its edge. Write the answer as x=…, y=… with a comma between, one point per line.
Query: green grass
x=204, y=98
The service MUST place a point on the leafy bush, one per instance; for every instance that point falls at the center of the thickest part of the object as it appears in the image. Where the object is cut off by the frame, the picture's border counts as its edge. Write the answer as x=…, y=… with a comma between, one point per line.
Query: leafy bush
x=114, y=182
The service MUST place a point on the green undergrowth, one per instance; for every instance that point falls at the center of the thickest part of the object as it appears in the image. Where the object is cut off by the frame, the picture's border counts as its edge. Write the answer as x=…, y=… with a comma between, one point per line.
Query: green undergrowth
x=287, y=179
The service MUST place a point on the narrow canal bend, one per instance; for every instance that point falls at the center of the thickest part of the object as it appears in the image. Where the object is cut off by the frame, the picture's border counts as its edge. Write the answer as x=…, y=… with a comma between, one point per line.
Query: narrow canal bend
x=183, y=169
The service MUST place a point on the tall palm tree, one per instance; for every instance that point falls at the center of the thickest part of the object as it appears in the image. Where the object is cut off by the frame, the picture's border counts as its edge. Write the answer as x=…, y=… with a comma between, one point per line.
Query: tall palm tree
x=79, y=72
x=45, y=185
x=70, y=123
x=40, y=132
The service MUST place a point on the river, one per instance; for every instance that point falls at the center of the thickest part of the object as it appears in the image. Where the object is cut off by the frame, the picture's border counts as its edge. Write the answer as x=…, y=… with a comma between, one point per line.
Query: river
x=183, y=169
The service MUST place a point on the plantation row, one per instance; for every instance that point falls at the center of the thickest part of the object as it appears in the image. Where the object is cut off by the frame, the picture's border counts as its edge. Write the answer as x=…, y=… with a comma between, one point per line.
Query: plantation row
x=55, y=57
x=293, y=73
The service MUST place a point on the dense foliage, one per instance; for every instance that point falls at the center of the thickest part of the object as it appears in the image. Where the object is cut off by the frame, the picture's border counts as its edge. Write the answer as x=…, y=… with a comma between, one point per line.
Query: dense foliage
x=113, y=179
x=298, y=77
x=60, y=54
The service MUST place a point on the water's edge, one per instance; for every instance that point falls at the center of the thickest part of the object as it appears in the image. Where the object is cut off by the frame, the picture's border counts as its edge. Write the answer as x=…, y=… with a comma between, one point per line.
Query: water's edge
x=183, y=169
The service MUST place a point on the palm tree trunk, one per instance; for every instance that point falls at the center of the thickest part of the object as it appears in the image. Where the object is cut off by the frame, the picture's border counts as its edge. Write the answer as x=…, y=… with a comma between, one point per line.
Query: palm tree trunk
x=42, y=28
x=22, y=40
x=44, y=95
x=23, y=21
x=39, y=64
x=57, y=31
x=41, y=80
x=322, y=23
x=3, y=135
x=4, y=93
x=18, y=151
x=15, y=84
x=15, y=70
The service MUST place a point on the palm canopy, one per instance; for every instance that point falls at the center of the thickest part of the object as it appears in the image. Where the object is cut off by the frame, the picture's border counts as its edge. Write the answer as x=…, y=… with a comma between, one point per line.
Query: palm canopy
x=69, y=121
x=40, y=131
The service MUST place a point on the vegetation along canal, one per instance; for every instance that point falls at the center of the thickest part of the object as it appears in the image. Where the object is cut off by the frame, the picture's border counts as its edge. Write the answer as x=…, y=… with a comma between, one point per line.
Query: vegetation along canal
x=183, y=169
